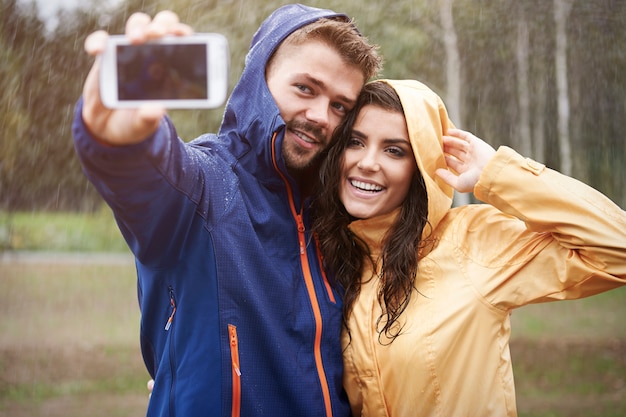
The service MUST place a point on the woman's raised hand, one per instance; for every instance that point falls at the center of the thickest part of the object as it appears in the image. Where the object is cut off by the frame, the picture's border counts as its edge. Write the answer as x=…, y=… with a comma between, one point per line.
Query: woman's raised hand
x=466, y=156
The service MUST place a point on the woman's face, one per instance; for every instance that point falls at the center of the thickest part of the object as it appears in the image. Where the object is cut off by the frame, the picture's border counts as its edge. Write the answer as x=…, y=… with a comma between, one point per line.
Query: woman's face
x=378, y=164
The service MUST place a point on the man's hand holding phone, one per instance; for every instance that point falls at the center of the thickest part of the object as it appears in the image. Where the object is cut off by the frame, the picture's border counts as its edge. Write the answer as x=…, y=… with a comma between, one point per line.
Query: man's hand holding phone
x=114, y=110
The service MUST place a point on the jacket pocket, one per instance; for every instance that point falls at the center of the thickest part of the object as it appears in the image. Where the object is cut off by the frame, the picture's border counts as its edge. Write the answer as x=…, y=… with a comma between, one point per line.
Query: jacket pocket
x=236, y=372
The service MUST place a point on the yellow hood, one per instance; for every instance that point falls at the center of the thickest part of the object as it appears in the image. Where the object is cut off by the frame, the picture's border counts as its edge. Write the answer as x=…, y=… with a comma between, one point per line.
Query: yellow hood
x=427, y=121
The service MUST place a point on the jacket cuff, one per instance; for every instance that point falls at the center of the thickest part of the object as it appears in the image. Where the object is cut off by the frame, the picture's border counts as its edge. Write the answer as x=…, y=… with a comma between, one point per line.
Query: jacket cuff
x=154, y=146
x=500, y=165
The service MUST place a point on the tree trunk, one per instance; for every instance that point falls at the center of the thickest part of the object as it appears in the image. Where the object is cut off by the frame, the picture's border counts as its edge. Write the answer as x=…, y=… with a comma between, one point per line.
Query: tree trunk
x=524, y=144
x=539, y=118
x=453, y=76
x=453, y=62
x=561, y=12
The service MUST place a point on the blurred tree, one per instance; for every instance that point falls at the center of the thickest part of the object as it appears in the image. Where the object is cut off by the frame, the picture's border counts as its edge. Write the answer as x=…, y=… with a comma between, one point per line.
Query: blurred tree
x=453, y=76
x=562, y=10
x=541, y=78
x=14, y=118
x=20, y=33
x=41, y=76
x=598, y=94
x=453, y=61
x=487, y=47
x=524, y=143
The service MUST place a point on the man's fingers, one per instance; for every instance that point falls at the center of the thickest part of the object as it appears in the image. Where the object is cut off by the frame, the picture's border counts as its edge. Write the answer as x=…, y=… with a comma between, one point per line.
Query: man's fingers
x=136, y=27
x=140, y=27
x=167, y=23
x=181, y=29
x=166, y=19
x=149, y=116
x=96, y=42
x=94, y=113
x=91, y=88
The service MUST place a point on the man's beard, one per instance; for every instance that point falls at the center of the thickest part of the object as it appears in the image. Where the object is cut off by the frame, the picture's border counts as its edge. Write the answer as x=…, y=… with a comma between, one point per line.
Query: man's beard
x=299, y=159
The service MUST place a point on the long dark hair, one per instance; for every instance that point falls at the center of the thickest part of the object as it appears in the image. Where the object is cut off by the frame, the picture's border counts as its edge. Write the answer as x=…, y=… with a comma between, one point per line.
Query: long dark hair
x=345, y=255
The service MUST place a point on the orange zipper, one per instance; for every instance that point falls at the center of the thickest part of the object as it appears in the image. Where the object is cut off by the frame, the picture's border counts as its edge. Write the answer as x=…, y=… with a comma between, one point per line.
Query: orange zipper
x=308, y=279
x=236, y=372
x=168, y=324
x=320, y=260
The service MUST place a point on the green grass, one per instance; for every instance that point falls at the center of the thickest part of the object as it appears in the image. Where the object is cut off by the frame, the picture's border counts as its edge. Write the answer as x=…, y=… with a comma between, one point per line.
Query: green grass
x=569, y=358
x=69, y=347
x=597, y=317
x=69, y=343
x=63, y=232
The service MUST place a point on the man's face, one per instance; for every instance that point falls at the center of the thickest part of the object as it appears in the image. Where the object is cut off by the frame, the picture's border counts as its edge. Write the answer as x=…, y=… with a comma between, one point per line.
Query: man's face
x=314, y=89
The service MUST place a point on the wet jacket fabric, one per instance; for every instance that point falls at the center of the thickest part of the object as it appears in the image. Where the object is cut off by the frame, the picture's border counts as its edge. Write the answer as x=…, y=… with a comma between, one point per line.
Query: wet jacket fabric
x=541, y=237
x=237, y=317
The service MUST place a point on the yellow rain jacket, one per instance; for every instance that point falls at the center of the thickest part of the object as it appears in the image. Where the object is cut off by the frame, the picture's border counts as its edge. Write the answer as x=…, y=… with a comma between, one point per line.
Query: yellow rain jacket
x=541, y=237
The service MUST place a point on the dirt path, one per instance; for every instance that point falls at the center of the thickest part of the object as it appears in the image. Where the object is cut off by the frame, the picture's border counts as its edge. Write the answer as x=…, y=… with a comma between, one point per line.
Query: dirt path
x=69, y=258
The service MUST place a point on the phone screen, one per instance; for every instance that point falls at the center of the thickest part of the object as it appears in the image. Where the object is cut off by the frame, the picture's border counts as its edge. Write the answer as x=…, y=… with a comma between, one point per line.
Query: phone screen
x=162, y=72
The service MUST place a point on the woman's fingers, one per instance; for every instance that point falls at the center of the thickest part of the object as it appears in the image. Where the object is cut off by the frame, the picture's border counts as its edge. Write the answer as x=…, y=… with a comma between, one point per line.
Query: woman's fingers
x=455, y=150
x=448, y=177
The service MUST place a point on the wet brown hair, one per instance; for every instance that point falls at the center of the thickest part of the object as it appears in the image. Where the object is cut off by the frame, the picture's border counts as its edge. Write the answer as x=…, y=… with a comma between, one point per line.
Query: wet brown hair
x=346, y=256
x=343, y=36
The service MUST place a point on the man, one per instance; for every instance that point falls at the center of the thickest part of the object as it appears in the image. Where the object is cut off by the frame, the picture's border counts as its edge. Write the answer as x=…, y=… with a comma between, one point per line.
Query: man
x=237, y=315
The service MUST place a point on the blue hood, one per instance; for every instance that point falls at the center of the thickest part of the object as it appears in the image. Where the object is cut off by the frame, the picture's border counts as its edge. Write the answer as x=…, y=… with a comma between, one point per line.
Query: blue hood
x=253, y=130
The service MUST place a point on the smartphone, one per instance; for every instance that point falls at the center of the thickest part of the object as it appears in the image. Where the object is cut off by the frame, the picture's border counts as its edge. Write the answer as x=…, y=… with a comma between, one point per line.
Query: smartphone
x=176, y=72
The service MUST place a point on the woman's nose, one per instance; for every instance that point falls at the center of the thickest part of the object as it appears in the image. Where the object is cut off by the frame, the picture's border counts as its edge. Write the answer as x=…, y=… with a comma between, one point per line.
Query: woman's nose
x=369, y=162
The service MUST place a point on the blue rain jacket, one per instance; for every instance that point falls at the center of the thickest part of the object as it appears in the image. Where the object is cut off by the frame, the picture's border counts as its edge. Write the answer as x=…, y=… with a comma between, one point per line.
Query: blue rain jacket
x=237, y=317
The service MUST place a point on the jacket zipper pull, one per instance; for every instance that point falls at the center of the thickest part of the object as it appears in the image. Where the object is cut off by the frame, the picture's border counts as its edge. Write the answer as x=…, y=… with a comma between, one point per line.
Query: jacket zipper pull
x=173, y=304
x=301, y=230
x=234, y=346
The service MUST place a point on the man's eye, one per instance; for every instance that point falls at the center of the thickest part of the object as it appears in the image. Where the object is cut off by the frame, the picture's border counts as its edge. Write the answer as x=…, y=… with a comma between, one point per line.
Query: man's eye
x=303, y=88
x=340, y=107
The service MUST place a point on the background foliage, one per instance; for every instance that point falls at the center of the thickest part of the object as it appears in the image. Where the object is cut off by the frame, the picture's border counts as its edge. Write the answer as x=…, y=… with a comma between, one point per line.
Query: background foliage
x=42, y=72
x=68, y=341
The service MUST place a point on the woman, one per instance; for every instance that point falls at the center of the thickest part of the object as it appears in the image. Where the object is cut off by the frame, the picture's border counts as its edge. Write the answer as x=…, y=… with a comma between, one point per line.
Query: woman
x=429, y=288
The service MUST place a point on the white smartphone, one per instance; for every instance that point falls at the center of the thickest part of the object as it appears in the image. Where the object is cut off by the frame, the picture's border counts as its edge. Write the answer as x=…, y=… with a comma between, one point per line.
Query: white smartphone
x=176, y=72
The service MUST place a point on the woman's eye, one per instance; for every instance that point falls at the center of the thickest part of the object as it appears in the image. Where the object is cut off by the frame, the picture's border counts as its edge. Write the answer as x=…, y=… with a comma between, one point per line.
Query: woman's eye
x=354, y=142
x=397, y=152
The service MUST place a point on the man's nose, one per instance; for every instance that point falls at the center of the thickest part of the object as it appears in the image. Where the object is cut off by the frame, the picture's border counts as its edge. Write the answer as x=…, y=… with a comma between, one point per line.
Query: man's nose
x=318, y=112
